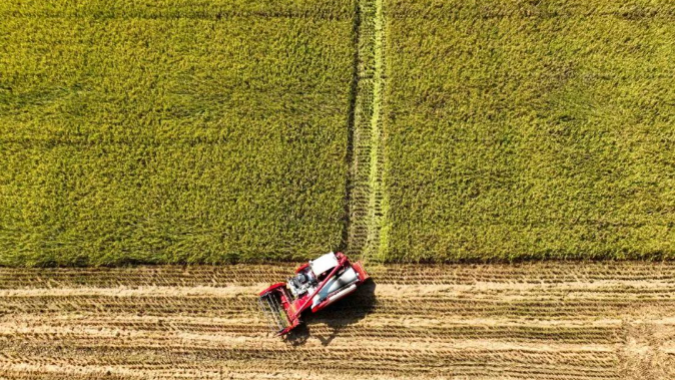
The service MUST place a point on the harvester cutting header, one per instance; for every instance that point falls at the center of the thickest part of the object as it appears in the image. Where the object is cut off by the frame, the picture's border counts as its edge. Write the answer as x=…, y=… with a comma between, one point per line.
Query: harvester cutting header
x=315, y=285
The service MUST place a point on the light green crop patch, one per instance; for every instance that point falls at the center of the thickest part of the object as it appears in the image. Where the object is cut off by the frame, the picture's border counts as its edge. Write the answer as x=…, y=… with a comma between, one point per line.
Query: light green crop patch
x=530, y=129
x=172, y=131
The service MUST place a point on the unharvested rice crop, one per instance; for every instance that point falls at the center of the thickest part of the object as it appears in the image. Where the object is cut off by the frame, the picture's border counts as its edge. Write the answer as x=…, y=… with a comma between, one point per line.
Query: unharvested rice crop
x=530, y=129
x=192, y=131
x=530, y=321
x=166, y=131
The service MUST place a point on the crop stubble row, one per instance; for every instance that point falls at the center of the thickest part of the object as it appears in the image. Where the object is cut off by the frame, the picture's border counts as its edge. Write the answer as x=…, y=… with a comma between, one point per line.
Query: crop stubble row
x=543, y=320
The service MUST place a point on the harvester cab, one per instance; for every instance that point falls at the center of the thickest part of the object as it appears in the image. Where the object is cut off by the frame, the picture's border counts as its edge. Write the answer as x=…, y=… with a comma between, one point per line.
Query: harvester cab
x=315, y=285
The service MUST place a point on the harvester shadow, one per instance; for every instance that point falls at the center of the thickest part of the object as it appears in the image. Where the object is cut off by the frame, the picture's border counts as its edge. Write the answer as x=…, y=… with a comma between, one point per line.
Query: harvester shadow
x=337, y=316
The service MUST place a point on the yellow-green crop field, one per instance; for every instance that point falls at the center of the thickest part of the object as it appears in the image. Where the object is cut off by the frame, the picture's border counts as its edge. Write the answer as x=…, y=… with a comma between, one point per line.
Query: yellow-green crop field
x=530, y=129
x=216, y=131
x=166, y=131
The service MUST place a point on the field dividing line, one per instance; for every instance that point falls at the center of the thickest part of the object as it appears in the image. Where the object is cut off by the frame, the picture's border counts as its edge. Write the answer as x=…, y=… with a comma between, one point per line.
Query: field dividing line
x=366, y=195
x=376, y=245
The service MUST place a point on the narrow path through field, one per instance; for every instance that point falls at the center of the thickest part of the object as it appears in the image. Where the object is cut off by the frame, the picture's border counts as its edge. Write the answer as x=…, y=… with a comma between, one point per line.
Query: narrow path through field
x=529, y=321
x=367, y=206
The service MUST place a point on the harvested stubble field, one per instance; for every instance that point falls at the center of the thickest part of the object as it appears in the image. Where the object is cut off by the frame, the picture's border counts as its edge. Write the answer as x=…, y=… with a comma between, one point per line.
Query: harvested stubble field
x=530, y=321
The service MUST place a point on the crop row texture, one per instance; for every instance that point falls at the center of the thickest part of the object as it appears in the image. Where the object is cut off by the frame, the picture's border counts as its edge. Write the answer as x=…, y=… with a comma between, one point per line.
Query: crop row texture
x=530, y=129
x=172, y=131
x=548, y=321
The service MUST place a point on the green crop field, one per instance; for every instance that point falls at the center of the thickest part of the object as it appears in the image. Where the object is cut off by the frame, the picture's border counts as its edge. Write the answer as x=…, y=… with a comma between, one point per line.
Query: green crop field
x=172, y=130
x=215, y=131
x=530, y=129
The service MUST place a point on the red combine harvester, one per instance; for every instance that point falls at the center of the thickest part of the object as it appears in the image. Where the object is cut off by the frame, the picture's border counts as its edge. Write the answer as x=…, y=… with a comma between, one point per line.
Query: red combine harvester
x=315, y=285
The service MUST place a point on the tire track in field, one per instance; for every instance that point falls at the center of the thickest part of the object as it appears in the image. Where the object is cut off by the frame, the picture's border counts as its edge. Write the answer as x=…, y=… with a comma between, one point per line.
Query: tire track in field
x=526, y=321
x=366, y=197
x=377, y=205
